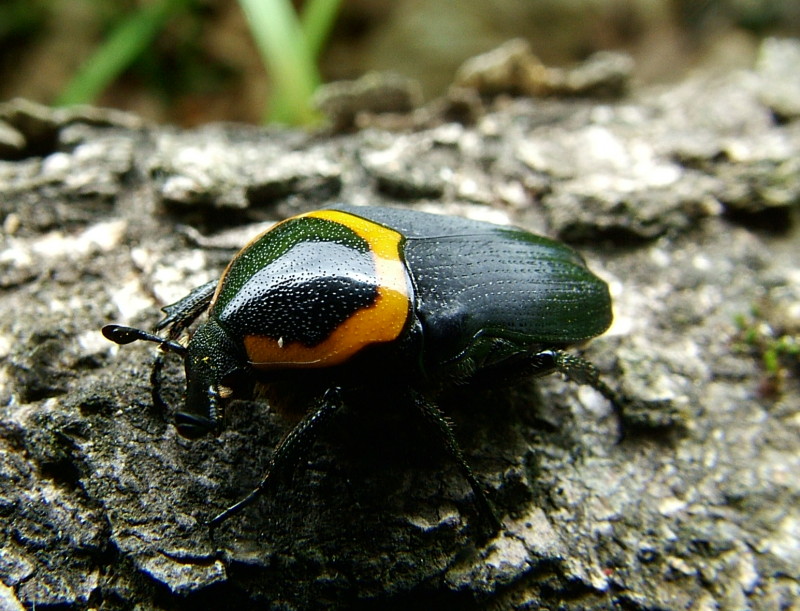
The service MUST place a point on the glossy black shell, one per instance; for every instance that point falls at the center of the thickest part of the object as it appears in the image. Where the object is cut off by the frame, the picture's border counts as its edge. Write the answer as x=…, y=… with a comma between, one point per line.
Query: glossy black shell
x=479, y=294
x=475, y=282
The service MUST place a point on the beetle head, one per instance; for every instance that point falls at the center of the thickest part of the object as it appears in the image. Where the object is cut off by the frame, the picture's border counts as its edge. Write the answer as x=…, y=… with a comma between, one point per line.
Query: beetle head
x=209, y=361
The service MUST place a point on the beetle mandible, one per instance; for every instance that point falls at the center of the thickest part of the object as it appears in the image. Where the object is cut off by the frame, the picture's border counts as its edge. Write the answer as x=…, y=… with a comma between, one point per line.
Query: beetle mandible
x=421, y=301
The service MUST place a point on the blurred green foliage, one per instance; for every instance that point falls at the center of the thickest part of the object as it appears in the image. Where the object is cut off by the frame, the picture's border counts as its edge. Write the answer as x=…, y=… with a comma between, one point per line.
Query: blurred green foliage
x=127, y=42
x=289, y=46
x=776, y=346
x=19, y=19
x=190, y=61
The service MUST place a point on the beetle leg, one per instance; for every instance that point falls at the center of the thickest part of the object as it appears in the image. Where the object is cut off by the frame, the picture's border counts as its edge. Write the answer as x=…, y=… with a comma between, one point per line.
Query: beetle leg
x=632, y=412
x=444, y=429
x=288, y=452
x=122, y=335
x=581, y=371
x=184, y=312
x=155, y=383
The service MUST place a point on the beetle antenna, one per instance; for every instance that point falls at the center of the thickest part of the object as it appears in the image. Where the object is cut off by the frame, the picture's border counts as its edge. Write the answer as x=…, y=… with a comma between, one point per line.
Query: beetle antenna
x=125, y=335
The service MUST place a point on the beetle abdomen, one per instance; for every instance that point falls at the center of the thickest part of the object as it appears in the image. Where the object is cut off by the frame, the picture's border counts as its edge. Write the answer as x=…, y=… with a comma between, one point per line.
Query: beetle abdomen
x=504, y=284
x=476, y=281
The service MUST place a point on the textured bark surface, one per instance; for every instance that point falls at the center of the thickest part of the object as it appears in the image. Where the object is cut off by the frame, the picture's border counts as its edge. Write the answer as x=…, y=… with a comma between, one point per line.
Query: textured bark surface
x=683, y=198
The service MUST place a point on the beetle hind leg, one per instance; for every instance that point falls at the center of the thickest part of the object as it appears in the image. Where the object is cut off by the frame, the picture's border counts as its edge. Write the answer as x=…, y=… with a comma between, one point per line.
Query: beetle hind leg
x=581, y=371
x=630, y=411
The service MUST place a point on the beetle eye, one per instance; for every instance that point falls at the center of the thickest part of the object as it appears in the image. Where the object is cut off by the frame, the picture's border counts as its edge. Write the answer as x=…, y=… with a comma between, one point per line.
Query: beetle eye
x=191, y=426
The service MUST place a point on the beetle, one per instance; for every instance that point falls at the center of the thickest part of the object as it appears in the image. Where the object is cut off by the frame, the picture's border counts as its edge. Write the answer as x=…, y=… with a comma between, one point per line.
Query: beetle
x=410, y=302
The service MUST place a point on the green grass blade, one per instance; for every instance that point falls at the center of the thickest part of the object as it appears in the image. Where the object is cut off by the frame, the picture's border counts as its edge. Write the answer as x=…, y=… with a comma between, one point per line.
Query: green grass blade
x=317, y=22
x=283, y=48
x=128, y=40
x=289, y=48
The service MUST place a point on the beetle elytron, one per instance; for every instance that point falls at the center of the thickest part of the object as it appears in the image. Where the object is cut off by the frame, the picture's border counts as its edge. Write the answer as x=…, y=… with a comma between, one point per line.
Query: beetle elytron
x=403, y=300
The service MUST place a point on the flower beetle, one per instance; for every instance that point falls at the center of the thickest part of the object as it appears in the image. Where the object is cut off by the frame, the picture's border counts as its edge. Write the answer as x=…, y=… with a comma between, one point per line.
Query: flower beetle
x=408, y=302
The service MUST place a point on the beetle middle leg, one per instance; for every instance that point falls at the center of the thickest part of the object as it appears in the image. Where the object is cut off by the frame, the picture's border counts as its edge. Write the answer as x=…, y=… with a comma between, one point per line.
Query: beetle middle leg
x=444, y=430
x=289, y=451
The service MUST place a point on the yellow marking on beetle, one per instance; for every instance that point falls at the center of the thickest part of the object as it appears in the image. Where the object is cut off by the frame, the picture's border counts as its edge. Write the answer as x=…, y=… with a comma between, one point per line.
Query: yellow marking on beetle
x=382, y=321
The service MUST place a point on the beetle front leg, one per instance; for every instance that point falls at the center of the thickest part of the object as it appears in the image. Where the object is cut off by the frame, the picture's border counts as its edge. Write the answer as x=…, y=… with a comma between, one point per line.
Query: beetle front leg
x=156, y=383
x=182, y=313
x=289, y=451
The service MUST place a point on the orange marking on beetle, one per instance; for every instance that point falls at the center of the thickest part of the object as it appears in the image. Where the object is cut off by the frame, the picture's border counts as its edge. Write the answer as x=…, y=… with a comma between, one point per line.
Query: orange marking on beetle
x=382, y=321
